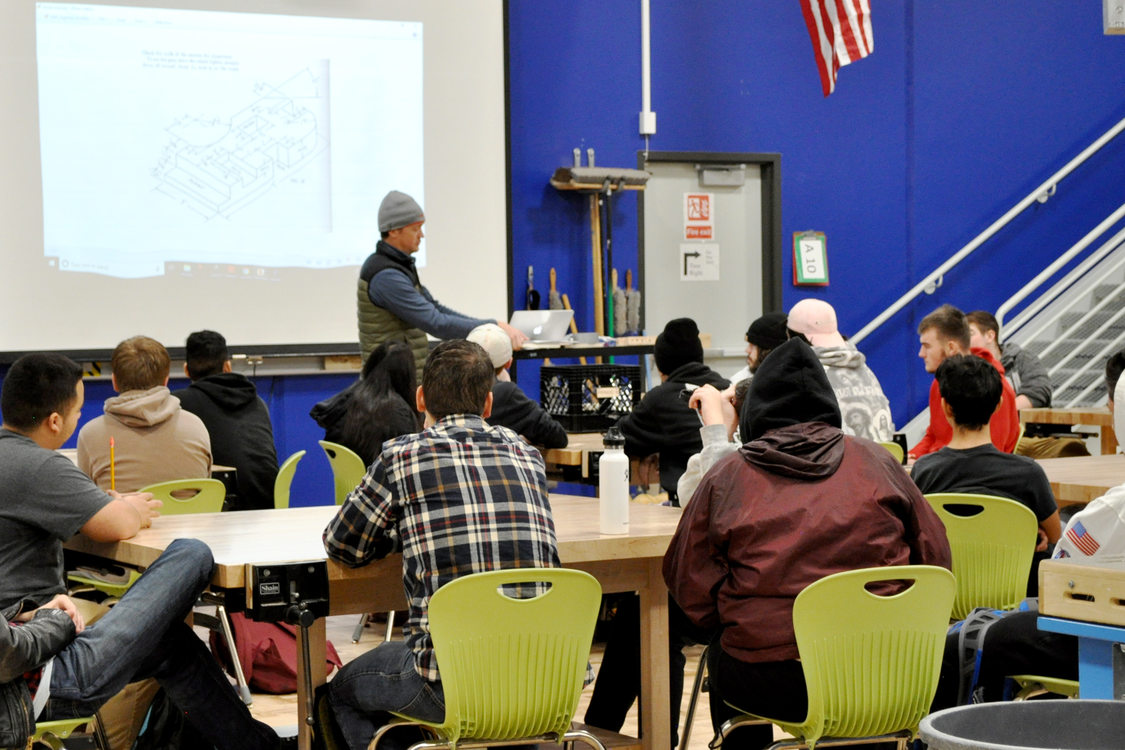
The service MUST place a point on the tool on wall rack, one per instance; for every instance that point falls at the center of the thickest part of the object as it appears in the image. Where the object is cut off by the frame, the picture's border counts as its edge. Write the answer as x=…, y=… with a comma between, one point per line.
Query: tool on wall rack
x=532, y=294
x=601, y=184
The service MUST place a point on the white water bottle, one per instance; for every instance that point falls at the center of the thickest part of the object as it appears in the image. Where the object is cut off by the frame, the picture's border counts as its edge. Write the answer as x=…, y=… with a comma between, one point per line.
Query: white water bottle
x=613, y=484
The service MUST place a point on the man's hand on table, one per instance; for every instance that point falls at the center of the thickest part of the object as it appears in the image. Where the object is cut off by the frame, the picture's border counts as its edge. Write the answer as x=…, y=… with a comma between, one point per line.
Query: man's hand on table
x=143, y=502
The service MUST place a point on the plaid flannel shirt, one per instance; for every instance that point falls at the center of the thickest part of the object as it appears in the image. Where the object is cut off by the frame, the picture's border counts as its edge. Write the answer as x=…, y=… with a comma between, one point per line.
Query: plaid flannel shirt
x=462, y=497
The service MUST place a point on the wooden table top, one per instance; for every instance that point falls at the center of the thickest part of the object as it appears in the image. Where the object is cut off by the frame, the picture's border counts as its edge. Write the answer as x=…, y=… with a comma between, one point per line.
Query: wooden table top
x=579, y=444
x=1080, y=479
x=1095, y=415
x=294, y=534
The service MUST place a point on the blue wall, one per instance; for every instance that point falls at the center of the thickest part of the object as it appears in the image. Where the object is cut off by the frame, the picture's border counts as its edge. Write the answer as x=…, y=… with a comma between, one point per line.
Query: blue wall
x=289, y=399
x=962, y=109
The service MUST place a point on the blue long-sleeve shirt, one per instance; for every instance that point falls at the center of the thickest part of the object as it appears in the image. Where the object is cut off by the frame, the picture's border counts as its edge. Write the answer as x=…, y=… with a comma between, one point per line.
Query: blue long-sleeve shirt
x=393, y=291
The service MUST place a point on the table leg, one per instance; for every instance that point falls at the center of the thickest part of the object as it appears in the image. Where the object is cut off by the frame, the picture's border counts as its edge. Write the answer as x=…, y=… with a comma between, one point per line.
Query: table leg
x=1109, y=440
x=655, y=722
x=1095, y=668
x=317, y=638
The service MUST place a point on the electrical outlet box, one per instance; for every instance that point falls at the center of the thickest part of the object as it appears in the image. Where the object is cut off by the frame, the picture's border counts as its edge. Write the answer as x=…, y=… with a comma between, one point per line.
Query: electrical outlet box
x=274, y=592
x=1113, y=16
x=648, y=123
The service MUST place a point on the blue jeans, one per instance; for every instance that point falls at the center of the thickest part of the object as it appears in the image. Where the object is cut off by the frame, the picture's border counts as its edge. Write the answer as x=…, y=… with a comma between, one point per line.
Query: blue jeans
x=143, y=636
x=379, y=681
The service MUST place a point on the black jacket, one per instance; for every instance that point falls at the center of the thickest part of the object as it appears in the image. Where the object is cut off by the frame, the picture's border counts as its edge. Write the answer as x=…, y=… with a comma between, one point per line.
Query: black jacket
x=512, y=408
x=361, y=421
x=241, y=434
x=663, y=423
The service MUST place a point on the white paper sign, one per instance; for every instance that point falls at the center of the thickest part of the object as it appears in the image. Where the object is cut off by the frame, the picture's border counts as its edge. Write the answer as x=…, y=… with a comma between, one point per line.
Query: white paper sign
x=699, y=261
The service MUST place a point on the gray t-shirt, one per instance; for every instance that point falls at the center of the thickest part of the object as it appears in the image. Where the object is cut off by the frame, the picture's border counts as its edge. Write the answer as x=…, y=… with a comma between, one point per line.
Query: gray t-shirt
x=44, y=500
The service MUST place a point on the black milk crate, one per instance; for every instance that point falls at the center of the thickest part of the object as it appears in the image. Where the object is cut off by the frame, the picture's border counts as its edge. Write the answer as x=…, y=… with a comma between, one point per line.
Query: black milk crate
x=589, y=398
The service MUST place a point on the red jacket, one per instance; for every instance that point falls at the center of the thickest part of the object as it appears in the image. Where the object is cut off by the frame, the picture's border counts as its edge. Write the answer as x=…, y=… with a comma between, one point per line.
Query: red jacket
x=1004, y=425
x=797, y=504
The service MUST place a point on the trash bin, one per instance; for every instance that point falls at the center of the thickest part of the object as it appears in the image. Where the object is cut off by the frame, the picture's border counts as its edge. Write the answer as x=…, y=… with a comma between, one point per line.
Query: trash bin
x=1028, y=725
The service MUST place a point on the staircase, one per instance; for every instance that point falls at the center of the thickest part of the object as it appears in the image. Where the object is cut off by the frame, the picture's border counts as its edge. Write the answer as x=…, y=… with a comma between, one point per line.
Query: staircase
x=1076, y=325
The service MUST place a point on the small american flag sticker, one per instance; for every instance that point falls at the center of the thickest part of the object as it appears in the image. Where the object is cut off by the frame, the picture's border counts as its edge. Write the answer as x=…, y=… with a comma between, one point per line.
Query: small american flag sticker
x=1082, y=539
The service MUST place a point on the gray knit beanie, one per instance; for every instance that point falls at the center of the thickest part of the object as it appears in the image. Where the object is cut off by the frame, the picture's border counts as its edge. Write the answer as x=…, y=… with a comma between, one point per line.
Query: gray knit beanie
x=399, y=210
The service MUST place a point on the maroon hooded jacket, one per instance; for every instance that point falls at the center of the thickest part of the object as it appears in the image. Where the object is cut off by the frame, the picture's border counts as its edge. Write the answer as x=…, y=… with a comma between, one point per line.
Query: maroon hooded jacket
x=798, y=502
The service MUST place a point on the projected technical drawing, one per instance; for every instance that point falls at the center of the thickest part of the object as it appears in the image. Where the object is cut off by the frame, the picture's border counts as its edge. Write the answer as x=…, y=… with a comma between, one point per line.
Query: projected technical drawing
x=215, y=166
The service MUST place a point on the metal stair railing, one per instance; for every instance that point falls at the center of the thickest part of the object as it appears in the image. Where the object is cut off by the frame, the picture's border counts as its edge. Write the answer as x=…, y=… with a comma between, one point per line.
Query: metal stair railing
x=1080, y=364
x=1059, y=262
x=1040, y=194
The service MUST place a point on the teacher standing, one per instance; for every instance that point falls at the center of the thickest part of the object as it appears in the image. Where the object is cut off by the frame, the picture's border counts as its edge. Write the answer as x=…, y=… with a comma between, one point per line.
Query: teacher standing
x=393, y=304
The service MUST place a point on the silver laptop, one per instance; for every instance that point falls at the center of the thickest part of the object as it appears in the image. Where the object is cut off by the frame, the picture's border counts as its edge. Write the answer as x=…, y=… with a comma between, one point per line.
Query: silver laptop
x=542, y=325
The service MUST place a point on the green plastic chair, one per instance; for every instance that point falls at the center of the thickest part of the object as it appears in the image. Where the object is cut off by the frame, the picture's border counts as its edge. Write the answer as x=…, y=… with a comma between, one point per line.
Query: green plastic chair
x=52, y=733
x=208, y=497
x=284, y=480
x=511, y=669
x=894, y=448
x=871, y=662
x=992, y=549
x=108, y=581
x=347, y=468
x=1032, y=685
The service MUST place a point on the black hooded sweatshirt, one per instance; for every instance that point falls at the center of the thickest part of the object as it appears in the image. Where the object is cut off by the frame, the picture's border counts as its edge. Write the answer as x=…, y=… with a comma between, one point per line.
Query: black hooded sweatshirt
x=241, y=434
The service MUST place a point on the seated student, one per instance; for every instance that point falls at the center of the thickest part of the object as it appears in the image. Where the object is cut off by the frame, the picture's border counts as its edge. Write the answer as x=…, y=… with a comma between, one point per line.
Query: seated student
x=510, y=407
x=970, y=392
x=800, y=500
x=376, y=408
x=663, y=422
x=764, y=335
x=944, y=333
x=155, y=440
x=1115, y=391
x=74, y=669
x=1014, y=644
x=865, y=410
x=1028, y=376
x=488, y=489
x=718, y=410
x=237, y=421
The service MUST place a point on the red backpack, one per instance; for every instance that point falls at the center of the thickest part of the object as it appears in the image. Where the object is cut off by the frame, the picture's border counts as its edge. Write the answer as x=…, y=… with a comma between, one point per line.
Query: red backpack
x=268, y=654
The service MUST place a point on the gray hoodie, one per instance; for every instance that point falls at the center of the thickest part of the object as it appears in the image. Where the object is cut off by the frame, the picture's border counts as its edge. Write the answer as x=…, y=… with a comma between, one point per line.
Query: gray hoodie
x=865, y=409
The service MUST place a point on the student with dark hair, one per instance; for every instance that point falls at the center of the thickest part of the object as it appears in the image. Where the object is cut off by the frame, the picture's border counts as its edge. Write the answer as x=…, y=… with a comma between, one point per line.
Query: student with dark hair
x=970, y=393
x=377, y=407
x=237, y=420
x=765, y=334
x=942, y=334
x=155, y=440
x=1028, y=376
x=662, y=422
x=459, y=497
x=71, y=668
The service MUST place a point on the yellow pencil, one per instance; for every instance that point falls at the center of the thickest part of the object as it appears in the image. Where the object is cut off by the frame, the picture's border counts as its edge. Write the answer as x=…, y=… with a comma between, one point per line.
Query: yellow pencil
x=112, y=467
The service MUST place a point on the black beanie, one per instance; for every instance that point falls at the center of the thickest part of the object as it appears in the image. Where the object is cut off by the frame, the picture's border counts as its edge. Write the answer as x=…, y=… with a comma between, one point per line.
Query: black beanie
x=769, y=331
x=677, y=345
x=789, y=388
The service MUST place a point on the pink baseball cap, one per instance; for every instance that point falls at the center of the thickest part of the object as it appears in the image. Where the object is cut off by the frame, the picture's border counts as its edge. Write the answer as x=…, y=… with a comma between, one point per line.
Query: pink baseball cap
x=816, y=320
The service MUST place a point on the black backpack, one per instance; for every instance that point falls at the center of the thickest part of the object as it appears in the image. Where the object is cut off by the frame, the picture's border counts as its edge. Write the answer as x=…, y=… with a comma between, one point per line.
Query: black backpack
x=166, y=726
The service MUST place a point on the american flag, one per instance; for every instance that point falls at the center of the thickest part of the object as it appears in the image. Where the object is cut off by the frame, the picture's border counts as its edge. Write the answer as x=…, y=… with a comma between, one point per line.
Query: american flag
x=841, y=34
x=1082, y=539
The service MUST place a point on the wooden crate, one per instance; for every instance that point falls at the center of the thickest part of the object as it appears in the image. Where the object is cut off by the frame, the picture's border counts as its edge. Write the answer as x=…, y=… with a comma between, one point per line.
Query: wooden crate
x=1082, y=592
